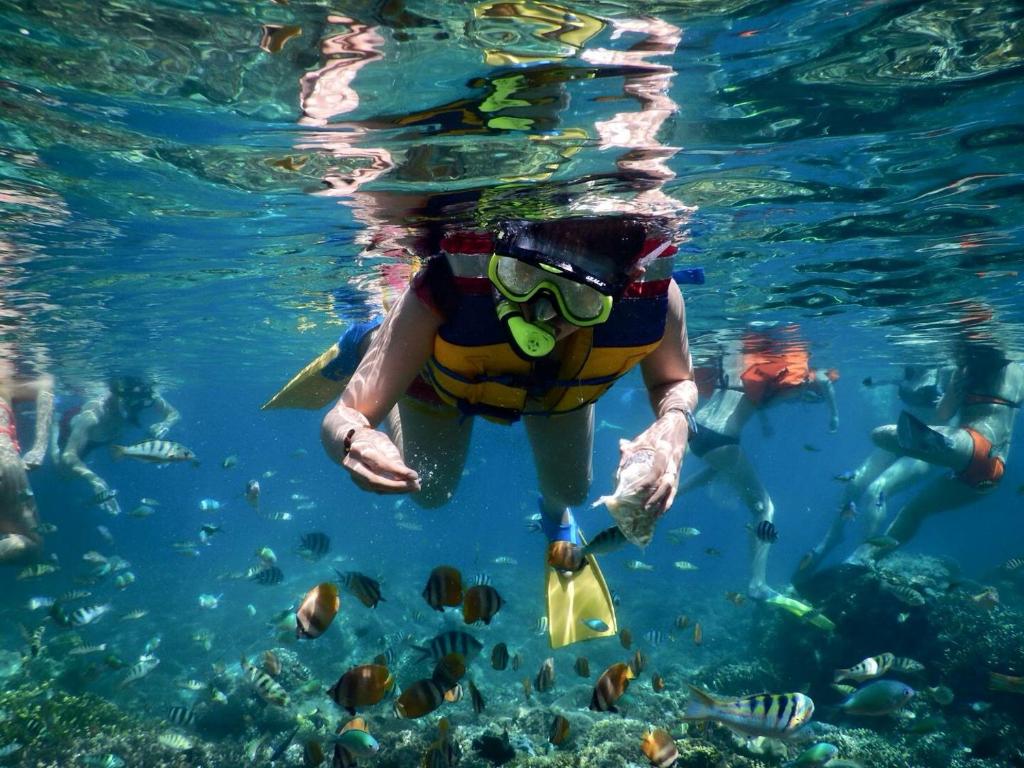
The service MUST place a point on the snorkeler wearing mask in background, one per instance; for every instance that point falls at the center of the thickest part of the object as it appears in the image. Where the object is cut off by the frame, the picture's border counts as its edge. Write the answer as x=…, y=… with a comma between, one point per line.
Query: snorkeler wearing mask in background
x=101, y=421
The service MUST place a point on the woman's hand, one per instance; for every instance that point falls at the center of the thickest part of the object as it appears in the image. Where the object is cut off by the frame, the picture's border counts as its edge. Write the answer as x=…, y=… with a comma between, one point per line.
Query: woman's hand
x=665, y=440
x=375, y=463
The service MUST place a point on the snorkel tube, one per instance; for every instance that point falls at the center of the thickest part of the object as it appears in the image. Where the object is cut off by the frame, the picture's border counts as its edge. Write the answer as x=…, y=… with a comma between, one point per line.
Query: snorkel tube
x=529, y=340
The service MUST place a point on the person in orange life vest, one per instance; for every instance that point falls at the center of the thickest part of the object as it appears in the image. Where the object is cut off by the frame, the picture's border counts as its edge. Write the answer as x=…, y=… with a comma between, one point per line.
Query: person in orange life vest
x=20, y=541
x=772, y=367
x=922, y=390
x=590, y=298
x=990, y=389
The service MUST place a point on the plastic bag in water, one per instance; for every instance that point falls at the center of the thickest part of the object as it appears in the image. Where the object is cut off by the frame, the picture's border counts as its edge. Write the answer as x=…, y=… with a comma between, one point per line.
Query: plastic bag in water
x=626, y=504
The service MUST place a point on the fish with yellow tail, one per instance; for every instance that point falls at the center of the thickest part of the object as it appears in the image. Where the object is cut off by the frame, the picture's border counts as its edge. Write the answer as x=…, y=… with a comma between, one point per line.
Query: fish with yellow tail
x=610, y=687
x=317, y=611
x=773, y=715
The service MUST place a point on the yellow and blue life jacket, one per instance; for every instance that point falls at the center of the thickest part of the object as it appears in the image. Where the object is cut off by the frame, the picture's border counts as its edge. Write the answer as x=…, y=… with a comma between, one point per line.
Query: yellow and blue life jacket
x=474, y=367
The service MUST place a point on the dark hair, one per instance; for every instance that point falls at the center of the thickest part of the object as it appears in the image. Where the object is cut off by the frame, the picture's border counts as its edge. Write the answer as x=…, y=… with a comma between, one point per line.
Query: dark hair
x=607, y=246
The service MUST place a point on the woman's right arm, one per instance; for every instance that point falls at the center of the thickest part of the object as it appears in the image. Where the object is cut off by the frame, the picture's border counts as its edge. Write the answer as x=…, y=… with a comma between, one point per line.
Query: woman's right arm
x=399, y=350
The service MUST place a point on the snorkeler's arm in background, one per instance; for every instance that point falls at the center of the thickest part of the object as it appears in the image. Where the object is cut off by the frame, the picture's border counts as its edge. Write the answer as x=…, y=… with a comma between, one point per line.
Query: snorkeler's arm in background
x=668, y=375
x=170, y=416
x=41, y=390
x=952, y=397
x=829, y=391
x=399, y=350
x=71, y=456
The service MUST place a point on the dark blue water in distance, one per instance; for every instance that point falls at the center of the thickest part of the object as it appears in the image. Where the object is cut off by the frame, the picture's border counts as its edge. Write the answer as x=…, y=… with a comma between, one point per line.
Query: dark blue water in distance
x=207, y=194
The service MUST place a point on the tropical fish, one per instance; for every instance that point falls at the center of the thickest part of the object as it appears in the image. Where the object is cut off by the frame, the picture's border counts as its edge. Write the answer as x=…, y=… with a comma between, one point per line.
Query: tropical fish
x=774, y=715
x=565, y=557
x=419, y=699
x=541, y=627
x=143, y=510
x=361, y=587
x=683, y=565
x=499, y=657
x=505, y=560
x=277, y=516
x=870, y=668
x=736, y=598
x=209, y=505
x=175, y=741
x=210, y=601
x=35, y=603
x=267, y=576
x=229, y=461
x=192, y=685
x=842, y=689
x=814, y=756
x=638, y=663
x=454, y=641
x=845, y=477
x=656, y=637
x=476, y=699
x=657, y=683
x=146, y=664
x=361, y=686
x=314, y=545
x=811, y=448
x=135, y=614
x=558, y=733
x=906, y=666
x=266, y=556
x=84, y=650
x=905, y=595
x=156, y=451
x=882, y=697
x=682, y=621
x=639, y=565
x=1013, y=564
x=582, y=666
x=1005, y=683
x=610, y=686
x=987, y=599
x=659, y=748
x=765, y=531
x=317, y=610
x=449, y=670
x=87, y=615
x=453, y=694
x=181, y=715
x=607, y=541
x=710, y=551
x=355, y=738
x=252, y=493
x=266, y=687
x=676, y=535
x=37, y=570
x=626, y=638
x=481, y=603
x=545, y=679
x=442, y=753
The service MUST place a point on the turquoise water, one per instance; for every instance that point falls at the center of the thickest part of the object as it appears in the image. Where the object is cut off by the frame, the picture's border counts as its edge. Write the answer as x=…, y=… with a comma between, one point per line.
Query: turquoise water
x=200, y=194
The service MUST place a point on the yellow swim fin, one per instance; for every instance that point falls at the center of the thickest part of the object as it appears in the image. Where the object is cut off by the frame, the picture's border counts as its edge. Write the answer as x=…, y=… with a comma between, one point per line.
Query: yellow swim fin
x=573, y=598
x=312, y=387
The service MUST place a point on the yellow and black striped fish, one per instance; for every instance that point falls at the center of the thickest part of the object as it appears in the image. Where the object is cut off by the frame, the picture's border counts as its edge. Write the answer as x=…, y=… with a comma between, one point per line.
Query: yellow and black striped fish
x=610, y=686
x=659, y=748
x=773, y=715
x=419, y=699
x=559, y=732
x=267, y=688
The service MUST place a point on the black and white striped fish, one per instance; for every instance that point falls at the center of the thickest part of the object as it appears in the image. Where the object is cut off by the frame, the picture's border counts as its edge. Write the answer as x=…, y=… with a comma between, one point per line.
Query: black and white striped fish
x=87, y=615
x=773, y=715
x=156, y=451
x=181, y=715
x=140, y=669
x=314, y=545
x=454, y=641
x=267, y=576
x=765, y=531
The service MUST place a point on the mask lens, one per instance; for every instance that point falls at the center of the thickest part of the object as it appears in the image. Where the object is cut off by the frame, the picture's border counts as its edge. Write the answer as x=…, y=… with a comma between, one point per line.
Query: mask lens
x=519, y=280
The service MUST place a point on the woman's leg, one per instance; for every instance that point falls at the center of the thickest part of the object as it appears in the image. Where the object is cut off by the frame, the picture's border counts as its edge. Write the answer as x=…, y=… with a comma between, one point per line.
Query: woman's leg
x=19, y=519
x=563, y=448
x=434, y=441
x=735, y=468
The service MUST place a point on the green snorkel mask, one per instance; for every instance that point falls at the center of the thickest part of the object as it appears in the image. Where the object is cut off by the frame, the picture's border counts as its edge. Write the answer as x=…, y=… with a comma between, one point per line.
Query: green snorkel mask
x=535, y=339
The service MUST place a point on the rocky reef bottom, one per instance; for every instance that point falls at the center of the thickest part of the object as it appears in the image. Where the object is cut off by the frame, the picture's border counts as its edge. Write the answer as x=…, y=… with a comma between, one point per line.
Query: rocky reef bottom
x=913, y=607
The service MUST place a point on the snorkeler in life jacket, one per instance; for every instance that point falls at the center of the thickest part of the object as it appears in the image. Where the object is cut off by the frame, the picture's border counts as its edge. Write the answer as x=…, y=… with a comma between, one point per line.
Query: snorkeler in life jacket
x=531, y=322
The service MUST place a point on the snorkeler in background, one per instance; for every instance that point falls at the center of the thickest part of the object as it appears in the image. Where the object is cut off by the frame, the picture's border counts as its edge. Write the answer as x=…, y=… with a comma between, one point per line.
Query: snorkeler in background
x=989, y=388
x=773, y=367
x=102, y=420
x=20, y=541
x=924, y=391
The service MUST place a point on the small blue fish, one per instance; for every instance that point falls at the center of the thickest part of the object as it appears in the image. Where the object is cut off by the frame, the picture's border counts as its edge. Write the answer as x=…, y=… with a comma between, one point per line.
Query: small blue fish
x=845, y=477
x=882, y=697
x=209, y=505
x=595, y=624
